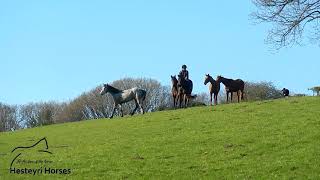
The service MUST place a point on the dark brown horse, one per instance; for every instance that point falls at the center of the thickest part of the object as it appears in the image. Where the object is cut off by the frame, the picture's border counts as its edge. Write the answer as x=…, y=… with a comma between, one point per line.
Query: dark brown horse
x=174, y=90
x=184, y=91
x=285, y=92
x=232, y=86
x=214, y=88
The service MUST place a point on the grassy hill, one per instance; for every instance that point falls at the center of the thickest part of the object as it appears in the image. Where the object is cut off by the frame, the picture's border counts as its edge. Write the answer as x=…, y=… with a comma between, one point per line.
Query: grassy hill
x=277, y=139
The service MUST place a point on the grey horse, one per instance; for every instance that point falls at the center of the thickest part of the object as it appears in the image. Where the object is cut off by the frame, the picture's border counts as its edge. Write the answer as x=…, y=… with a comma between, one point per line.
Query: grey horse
x=123, y=96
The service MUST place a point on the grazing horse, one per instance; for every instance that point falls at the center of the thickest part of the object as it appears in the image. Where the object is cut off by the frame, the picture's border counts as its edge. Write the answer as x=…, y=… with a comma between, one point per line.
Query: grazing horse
x=232, y=86
x=214, y=88
x=184, y=90
x=285, y=92
x=123, y=96
x=174, y=90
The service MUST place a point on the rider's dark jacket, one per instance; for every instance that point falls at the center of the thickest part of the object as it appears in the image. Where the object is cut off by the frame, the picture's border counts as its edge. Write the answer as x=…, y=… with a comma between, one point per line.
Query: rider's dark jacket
x=184, y=74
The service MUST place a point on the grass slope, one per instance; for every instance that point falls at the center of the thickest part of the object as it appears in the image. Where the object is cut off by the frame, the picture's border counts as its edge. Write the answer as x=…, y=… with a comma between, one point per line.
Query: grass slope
x=259, y=140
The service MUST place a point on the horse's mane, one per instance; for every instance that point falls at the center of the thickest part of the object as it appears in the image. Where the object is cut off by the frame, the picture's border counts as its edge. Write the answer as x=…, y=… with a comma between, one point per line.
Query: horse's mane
x=211, y=79
x=226, y=81
x=226, y=78
x=113, y=89
x=174, y=79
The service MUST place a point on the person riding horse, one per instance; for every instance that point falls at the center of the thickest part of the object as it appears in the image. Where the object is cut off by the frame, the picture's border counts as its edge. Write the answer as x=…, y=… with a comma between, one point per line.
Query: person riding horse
x=184, y=72
x=185, y=86
x=184, y=76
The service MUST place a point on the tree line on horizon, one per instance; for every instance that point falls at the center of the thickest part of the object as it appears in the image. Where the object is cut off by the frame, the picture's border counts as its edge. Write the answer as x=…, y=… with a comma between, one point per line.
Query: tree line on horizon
x=91, y=105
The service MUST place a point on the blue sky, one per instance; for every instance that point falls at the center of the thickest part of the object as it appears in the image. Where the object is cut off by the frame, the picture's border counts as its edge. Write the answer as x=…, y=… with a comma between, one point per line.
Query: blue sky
x=55, y=50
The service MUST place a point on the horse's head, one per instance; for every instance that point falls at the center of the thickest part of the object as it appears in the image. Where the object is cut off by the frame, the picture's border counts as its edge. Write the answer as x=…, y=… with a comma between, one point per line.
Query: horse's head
x=284, y=90
x=181, y=80
x=174, y=80
x=207, y=79
x=219, y=78
x=104, y=89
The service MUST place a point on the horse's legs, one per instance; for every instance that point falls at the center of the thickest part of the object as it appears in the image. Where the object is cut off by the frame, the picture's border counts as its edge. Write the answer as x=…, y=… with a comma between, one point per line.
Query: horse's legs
x=140, y=105
x=177, y=101
x=180, y=100
x=227, y=96
x=114, y=110
x=134, y=110
x=215, y=99
x=185, y=100
x=188, y=99
x=238, y=96
x=210, y=99
x=231, y=96
x=142, y=110
x=174, y=101
x=121, y=110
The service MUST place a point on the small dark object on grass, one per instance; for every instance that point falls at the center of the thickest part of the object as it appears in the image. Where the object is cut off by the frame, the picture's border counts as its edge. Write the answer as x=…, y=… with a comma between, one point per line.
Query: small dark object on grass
x=285, y=92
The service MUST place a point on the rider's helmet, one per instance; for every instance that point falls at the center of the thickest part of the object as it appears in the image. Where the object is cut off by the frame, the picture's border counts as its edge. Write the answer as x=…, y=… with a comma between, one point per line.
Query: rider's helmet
x=184, y=66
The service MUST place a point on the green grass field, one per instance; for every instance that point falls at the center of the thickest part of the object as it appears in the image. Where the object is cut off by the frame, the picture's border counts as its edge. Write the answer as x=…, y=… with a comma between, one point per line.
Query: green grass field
x=277, y=139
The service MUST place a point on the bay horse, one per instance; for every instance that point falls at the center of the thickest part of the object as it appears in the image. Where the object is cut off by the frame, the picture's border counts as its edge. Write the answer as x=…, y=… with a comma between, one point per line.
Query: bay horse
x=174, y=90
x=232, y=86
x=214, y=88
x=123, y=96
x=184, y=91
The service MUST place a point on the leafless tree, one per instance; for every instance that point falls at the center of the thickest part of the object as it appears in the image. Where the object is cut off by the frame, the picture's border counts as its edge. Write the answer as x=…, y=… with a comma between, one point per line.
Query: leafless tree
x=8, y=118
x=72, y=111
x=255, y=91
x=203, y=98
x=315, y=90
x=38, y=114
x=290, y=19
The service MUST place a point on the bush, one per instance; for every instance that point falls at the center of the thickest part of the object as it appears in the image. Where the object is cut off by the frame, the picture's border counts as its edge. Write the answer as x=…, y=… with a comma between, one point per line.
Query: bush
x=255, y=91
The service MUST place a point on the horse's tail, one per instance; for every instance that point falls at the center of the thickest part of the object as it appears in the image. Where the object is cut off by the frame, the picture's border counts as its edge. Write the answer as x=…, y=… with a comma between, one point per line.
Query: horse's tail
x=242, y=92
x=193, y=96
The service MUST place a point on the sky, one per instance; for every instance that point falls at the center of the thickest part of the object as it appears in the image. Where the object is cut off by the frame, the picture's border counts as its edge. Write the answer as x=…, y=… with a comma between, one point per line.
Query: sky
x=56, y=50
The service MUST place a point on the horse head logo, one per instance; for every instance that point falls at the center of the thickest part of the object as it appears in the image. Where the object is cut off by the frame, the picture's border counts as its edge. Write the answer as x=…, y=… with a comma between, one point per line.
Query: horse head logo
x=40, y=146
